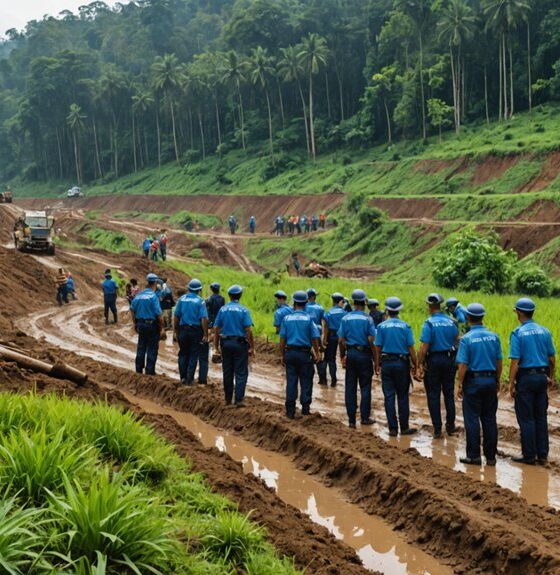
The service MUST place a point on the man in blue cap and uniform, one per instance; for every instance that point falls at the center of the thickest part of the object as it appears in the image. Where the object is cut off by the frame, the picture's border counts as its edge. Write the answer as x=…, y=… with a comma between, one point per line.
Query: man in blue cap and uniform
x=394, y=354
x=282, y=309
x=299, y=345
x=317, y=312
x=458, y=312
x=147, y=318
x=232, y=330
x=191, y=330
x=356, y=337
x=331, y=325
x=531, y=372
x=480, y=368
x=439, y=339
x=110, y=289
x=252, y=224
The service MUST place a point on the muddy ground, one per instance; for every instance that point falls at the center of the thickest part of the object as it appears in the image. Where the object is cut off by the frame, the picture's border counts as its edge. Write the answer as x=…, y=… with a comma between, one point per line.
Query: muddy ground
x=469, y=521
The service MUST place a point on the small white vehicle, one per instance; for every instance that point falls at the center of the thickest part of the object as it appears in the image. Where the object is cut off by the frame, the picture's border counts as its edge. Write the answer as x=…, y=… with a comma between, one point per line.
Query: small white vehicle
x=74, y=192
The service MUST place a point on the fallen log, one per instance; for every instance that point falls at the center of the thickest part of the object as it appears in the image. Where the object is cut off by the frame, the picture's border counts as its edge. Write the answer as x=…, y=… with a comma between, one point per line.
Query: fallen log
x=59, y=370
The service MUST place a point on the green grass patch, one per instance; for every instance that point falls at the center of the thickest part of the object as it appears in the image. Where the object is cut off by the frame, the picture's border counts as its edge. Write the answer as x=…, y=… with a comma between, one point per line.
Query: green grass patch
x=115, y=242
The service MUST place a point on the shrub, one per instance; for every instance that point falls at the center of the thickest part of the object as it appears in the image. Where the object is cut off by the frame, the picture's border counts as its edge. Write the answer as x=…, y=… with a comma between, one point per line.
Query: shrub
x=192, y=156
x=508, y=137
x=532, y=281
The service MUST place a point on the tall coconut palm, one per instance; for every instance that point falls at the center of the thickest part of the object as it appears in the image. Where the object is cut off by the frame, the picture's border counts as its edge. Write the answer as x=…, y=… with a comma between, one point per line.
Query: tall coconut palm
x=234, y=71
x=75, y=120
x=457, y=24
x=166, y=77
x=262, y=68
x=313, y=54
x=141, y=103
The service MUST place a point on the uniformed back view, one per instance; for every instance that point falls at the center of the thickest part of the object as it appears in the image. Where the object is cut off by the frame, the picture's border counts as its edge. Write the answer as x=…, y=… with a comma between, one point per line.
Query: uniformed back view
x=331, y=324
x=532, y=367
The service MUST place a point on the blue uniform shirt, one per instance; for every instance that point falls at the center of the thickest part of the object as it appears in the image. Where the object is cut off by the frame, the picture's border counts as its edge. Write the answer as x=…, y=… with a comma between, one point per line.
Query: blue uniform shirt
x=109, y=287
x=356, y=327
x=146, y=305
x=440, y=332
x=531, y=344
x=146, y=244
x=233, y=318
x=460, y=314
x=281, y=313
x=333, y=318
x=479, y=349
x=394, y=336
x=70, y=284
x=316, y=311
x=299, y=329
x=190, y=309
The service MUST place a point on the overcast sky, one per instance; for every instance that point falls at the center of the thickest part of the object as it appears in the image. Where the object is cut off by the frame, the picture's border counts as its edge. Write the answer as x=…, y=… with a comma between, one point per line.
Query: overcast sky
x=16, y=13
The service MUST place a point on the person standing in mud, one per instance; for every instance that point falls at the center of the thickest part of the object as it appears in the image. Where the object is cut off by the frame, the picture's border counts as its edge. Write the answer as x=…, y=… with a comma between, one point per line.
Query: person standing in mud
x=374, y=312
x=531, y=373
x=331, y=325
x=163, y=245
x=154, y=250
x=213, y=305
x=299, y=347
x=110, y=291
x=191, y=330
x=317, y=313
x=479, y=361
x=356, y=337
x=146, y=245
x=71, y=286
x=439, y=339
x=61, y=282
x=394, y=353
x=148, y=324
x=252, y=224
x=233, y=335
x=282, y=309
x=232, y=222
x=167, y=302
x=295, y=263
x=458, y=312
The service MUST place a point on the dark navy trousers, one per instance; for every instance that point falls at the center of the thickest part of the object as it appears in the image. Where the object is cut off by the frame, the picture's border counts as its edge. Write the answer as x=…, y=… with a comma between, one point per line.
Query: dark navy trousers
x=359, y=371
x=235, y=368
x=190, y=339
x=531, y=405
x=110, y=305
x=148, y=346
x=299, y=373
x=480, y=404
x=440, y=378
x=330, y=355
x=395, y=382
x=203, y=359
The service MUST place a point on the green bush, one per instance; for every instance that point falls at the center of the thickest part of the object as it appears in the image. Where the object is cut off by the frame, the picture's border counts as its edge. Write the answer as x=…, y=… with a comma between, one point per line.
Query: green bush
x=532, y=281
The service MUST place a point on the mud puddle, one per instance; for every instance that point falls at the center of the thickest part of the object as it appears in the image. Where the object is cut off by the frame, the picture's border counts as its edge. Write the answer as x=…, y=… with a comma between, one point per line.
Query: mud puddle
x=377, y=545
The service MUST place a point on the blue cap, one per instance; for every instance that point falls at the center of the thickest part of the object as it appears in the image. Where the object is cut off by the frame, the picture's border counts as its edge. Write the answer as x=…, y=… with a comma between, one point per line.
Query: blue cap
x=434, y=298
x=451, y=301
x=300, y=297
x=151, y=278
x=525, y=304
x=393, y=304
x=359, y=295
x=281, y=294
x=311, y=292
x=373, y=301
x=476, y=310
x=235, y=290
x=195, y=285
x=214, y=285
x=337, y=296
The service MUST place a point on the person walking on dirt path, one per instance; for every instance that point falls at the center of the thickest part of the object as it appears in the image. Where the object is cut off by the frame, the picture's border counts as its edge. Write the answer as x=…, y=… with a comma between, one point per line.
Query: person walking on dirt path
x=163, y=245
x=374, y=312
x=317, y=313
x=295, y=263
x=167, y=302
x=132, y=290
x=299, y=348
x=232, y=222
x=191, y=330
x=356, y=337
x=71, y=286
x=146, y=245
x=282, y=309
x=147, y=318
x=439, y=339
x=213, y=305
x=252, y=224
x=322, y=220
x=458, y=312
x=299, y=224
x=154, y=250
x=291, y=225
x=394, y=354
x=479, y=360
x=233, y=335
x=314, y=223
x=110, y=292
x=531, y=373
x=331, y=325
x=61, y=286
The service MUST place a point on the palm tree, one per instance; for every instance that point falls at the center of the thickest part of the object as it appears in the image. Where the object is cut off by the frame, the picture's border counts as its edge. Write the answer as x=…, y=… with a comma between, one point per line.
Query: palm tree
x=141, y=103
x=291, y=70
x=167, y=79
x=75, y=120
x=234, y=69
x=457, y=24
x=262, y=69
x=314, y=53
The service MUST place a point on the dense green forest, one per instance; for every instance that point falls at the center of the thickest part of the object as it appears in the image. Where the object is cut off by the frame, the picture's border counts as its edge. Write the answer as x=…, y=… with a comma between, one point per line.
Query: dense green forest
x=109, y=91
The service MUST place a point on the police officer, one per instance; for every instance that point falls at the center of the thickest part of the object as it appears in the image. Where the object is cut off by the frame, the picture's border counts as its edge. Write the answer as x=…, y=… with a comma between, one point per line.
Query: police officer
x=232, y=330
x=147, y=317
x=110, y=289
x=191, y=330
x=252, y=224
x=479, y=361
x=317, y=312
x=375, y=313
x=213, y=305
x=331, y=325
x=394, y=353
x=533, y=362
x=282, y=309
x=356, y=337
x=439, y=339
x=458, y=312
x=299, y=345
